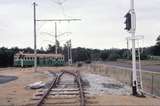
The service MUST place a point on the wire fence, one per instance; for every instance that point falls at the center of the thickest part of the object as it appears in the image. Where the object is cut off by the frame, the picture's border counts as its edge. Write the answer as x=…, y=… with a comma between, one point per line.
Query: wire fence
x=151, y=82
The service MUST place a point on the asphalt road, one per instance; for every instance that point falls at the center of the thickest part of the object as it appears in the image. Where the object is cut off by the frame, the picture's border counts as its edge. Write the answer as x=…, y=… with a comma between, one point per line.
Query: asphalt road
x=152, y=68
x=5, y=79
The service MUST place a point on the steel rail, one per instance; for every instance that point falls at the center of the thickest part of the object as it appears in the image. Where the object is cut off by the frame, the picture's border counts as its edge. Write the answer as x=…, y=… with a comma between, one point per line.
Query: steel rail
x=79, y=83
x=82, y=96
x=53, y=84
x=71, y=73
x=56, y=81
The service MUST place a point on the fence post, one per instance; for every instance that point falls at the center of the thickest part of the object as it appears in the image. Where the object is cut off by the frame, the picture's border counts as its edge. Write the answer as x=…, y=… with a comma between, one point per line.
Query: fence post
x=159, y=86
x=152, y=83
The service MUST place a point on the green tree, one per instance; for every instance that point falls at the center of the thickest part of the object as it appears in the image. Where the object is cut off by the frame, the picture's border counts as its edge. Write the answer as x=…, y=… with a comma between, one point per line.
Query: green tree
x=158, y=41
x=104, y=55
x=113, y=56
x=156, y=48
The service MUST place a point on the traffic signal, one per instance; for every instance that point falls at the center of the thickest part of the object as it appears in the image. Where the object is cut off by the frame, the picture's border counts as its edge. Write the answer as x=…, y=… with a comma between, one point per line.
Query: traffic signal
x=128, y=21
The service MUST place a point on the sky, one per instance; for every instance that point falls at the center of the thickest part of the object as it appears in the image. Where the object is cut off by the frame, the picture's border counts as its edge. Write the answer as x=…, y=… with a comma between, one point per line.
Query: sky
x=101, y=26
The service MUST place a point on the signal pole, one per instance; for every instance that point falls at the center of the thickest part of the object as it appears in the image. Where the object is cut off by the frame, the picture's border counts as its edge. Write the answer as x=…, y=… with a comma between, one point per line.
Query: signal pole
x=35, y=35
x=128, y=50
x=133, y=29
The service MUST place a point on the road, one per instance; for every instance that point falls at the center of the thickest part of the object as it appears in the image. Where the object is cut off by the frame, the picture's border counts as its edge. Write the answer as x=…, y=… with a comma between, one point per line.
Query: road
x=152, y=68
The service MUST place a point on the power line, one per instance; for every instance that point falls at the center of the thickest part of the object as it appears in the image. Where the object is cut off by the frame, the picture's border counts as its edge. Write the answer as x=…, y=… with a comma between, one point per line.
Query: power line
x=59, y=2
x=59, y=20
x=41, y=26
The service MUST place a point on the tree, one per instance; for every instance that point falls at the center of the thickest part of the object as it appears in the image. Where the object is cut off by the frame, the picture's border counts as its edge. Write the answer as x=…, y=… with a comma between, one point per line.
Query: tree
x=113, y=56
x=143, y=56
x=28, y=50
x=156, y=48
x=81, y=54
x=65, y=52
x=6, y=57
x=95, y=54
x=158, y=41
x=51, y=49
x=104, y=55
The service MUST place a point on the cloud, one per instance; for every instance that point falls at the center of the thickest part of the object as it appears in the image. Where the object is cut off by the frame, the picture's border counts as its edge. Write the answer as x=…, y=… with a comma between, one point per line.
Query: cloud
x=102, y=24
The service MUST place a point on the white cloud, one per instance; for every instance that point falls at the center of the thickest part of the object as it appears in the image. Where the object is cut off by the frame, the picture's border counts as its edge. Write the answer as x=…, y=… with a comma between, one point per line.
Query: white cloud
x=101, y=26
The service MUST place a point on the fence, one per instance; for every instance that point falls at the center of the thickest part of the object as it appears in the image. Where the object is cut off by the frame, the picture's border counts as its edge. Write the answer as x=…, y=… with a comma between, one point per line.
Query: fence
x=150, y=80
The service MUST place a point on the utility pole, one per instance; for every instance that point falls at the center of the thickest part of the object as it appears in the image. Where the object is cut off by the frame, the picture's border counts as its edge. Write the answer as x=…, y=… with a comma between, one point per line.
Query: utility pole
x=55, y=21
x=21, y=58
x=68, y=53
x=35, y=41
x=69, y=45
x=46, y=20
x=71, y=51
x=56, y=38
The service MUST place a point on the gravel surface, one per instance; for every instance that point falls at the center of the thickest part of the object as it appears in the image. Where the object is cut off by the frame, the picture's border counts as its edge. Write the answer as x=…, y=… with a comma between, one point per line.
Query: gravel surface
x=98, y=84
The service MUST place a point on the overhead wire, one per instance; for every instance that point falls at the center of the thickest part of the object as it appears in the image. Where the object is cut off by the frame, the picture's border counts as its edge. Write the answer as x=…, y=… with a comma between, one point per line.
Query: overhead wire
x=41, y=26
x=60, y=3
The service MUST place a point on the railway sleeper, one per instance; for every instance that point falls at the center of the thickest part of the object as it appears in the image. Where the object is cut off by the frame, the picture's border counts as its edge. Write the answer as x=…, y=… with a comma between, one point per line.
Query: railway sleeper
x=62, y=97
x=62, y=101
x=60, y=93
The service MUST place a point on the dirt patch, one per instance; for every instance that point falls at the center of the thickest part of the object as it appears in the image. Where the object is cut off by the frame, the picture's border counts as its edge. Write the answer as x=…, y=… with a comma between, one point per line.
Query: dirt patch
x=14, y=93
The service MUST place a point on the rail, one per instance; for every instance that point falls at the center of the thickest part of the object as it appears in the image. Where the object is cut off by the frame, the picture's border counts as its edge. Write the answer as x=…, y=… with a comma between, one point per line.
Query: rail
x=56, y=81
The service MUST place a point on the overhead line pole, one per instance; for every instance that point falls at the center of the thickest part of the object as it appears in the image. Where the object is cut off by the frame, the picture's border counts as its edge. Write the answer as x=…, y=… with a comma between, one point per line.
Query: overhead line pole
x=56, y=38
x=68, y=53
x=51, y=20
x=58, y=20
x=69, y=45
x=71, y=51
x=35, y=35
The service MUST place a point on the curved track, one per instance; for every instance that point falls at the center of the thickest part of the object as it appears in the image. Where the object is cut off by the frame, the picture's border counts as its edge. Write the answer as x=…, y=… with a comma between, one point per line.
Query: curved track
x=61, y=93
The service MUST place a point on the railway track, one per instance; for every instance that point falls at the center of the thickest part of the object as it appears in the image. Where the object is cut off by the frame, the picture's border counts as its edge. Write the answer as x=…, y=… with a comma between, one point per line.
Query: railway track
x=65, y=90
